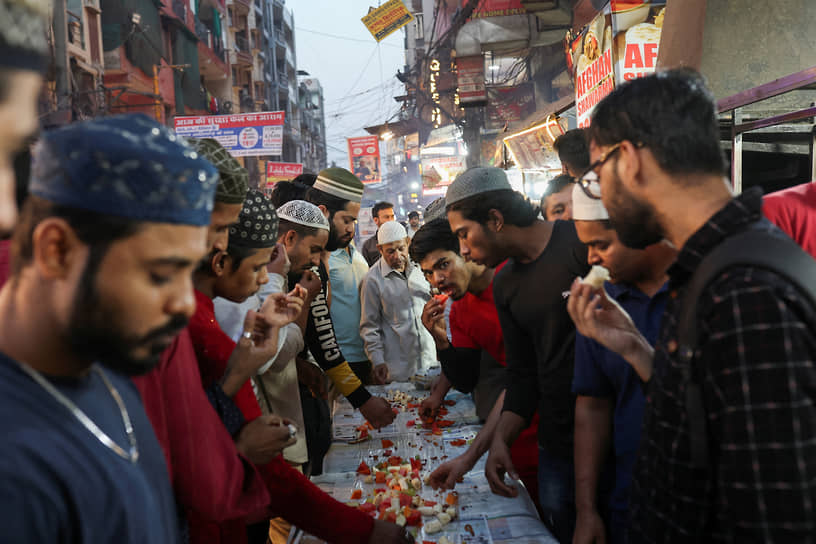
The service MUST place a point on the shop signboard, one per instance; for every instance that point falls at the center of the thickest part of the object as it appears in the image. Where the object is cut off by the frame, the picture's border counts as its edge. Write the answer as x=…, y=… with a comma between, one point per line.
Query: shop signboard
x=243, y=135
x=439, y=172
x=281, y=171
x=532, y=149
x=619, y=44
x=508, y=104
x=364, y=158
x=497, y=8
x=387, y=19
x=470, y=76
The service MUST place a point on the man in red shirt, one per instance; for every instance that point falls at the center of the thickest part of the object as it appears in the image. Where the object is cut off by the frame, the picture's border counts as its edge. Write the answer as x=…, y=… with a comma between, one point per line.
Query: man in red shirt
x=212, y=474
x=794, y=211
x=474, y=326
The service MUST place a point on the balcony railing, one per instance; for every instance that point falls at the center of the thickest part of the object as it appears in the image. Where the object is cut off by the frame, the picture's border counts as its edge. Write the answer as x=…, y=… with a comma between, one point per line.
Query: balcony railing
x=209, y=38
x=241, y=43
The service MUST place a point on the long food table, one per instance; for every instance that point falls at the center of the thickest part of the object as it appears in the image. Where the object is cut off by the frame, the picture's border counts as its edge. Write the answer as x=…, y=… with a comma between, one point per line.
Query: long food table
x=383, y=472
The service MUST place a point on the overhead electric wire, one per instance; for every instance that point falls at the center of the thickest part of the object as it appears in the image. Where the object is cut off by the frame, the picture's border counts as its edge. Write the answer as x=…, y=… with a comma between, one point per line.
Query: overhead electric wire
x=347, y=38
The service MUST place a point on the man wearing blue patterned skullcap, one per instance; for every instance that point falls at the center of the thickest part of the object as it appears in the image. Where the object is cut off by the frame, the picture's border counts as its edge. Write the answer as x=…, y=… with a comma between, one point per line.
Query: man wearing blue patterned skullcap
x=103, y=255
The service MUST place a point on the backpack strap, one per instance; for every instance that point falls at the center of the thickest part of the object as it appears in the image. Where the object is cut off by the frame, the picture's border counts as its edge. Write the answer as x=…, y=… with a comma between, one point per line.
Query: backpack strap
x=755, y=247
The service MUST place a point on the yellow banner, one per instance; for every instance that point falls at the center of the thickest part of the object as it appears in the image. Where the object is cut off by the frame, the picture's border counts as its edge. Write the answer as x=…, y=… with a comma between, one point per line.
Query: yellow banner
x=387, y=19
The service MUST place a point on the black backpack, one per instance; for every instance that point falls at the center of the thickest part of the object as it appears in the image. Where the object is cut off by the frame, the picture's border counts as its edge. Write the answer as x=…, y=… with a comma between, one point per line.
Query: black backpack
x=756, y=247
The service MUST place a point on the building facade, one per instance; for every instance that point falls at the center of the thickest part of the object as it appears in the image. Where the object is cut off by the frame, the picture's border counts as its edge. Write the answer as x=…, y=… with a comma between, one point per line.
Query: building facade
x=312, y=123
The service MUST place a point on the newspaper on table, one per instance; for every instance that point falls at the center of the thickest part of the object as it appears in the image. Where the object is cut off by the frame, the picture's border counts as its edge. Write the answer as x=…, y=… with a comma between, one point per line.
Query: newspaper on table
x=482, y=517
x=346, y=419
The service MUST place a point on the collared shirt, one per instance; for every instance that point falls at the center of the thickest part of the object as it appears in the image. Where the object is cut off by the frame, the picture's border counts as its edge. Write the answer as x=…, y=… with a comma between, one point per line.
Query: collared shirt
x=755, y=358
x=391, y=324
x=347, y=268
x=602, y=373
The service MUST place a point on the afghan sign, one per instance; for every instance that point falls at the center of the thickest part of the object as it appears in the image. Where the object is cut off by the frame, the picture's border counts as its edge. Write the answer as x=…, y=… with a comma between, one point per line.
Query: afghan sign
x=281, y=171
x=243, y=135
x=364, y=158
x=387, y=19
x=470, y=75
x=508, y=104
x=637, y=29
x=620, y=44
x=439, y=172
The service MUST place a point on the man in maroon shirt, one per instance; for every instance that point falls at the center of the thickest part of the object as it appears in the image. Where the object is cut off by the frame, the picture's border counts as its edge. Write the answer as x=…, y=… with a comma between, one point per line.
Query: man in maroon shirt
x=211, y=473
x=474, y=327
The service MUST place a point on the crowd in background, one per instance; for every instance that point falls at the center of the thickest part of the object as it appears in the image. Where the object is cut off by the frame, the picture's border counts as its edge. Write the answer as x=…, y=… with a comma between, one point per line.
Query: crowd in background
x=171, y=340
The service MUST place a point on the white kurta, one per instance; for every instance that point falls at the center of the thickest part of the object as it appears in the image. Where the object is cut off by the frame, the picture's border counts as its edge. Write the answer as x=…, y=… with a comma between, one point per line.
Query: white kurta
x=391, y=321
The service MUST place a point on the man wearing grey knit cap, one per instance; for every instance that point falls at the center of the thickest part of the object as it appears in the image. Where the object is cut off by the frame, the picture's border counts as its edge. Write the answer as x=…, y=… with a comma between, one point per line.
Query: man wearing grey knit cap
x=494, y=223
x=394, y=293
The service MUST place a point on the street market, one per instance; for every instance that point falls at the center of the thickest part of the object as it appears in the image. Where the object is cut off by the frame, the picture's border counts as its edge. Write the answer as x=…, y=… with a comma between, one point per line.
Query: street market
x=407, y=271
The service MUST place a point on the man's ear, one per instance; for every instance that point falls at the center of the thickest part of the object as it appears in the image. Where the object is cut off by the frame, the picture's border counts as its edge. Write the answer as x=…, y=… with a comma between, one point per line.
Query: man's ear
x=495, y=220
x=219, y=263
x=629, y=165
x=325, y=210
x=290, y=239
x=56, y=249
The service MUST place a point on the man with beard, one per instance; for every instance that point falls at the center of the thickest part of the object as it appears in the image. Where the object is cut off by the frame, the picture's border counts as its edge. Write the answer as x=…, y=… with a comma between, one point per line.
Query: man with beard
x=108, y=238
x=494, y=224
x=381, y=213
x=474, y=328
x=338, y=193
x=220, y=482
x=610, y=399
x=655, y=142
x=393, y=294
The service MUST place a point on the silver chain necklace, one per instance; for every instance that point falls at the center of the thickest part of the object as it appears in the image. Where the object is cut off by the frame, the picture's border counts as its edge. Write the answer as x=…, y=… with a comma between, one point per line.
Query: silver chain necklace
x=100, y=435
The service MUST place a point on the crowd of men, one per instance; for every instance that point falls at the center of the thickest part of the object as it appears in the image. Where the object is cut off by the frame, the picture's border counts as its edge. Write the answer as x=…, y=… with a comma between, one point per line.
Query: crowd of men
x=170, y=338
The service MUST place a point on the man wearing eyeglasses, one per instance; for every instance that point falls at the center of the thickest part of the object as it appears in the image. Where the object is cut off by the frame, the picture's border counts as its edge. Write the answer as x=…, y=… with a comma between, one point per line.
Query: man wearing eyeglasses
x=656, y=150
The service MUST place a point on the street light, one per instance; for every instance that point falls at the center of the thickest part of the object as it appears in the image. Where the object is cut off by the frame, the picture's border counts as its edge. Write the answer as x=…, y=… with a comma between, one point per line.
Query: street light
x=414, y=185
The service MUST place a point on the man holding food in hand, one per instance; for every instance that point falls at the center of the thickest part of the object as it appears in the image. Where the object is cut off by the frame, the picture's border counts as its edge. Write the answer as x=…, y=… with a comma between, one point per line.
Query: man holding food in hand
x=610, y=401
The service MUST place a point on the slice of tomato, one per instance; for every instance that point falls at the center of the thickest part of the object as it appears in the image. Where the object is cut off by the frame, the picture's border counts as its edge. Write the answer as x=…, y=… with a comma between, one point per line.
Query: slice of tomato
x=441, y=298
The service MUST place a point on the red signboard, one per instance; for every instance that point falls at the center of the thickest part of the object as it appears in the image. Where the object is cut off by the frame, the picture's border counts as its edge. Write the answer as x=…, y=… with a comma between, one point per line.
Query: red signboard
x=281, y=171
x=507, y=104
x=620, y=44
x=364, y=158
x=243, y=134
x=470, y=74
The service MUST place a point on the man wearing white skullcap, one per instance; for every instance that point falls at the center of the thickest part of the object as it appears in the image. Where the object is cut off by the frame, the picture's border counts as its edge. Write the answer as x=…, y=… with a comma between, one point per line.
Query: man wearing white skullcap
x=610, y=400
x=394, y=292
